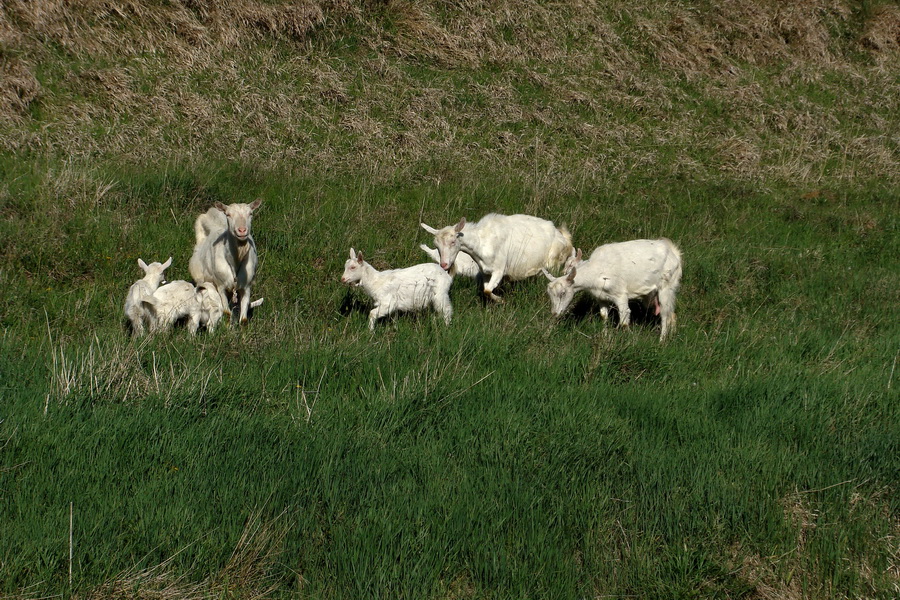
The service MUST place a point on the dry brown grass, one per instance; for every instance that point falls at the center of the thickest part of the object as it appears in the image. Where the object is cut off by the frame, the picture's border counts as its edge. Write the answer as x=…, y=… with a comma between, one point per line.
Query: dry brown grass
x=882, y=33
x=526, y=87
x=123, y=372
x=245, y=576
x=788, y=577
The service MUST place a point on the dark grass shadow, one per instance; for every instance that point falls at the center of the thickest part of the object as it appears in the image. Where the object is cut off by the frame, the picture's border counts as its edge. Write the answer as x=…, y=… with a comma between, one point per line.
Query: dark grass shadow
x=352, y=303
x=586, y=308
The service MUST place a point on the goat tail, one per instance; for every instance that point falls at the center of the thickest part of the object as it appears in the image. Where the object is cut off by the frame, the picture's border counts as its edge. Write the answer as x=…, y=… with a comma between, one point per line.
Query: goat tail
x=564, y=230
x=201, y=228
x=562, y=251
x=672, y=265
x=671, y=245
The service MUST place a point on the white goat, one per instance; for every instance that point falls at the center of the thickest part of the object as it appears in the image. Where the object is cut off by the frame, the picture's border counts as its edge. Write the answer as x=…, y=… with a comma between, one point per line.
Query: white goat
x=211, y=307
x=173, y=301
x=135, y=310
x=176, y=300
x=464, y=265
x=515, y=246
x=225, y=253
x=616, y=273
x=409, y=289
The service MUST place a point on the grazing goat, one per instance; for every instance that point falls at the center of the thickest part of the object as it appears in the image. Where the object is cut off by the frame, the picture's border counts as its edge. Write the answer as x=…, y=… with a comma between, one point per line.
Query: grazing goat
x=616, y=273
x=225, y=253
x=515, y=246
x=135, y=310
x=464, y=265
x=409, y=289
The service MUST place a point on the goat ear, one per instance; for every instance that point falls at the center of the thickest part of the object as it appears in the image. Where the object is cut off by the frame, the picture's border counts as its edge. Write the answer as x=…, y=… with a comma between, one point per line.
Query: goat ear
x=578, y=256
x=167, y=264
x=220, y=206
x=571, y=276
x=428, y=228
x=256, y=204
x=460, y=225
x=142, y=264
x=359, y=257
x=547, y=274
x=352, y=254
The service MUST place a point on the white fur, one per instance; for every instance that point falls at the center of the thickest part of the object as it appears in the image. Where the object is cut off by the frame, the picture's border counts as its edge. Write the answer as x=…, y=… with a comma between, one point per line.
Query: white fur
x=617, y=273
x=173, y=301
x=135, y=309
x=225, y=253
x=211, y=307
x=514, y=246
x=176, y=300
x=464, y=265
x=409, y=289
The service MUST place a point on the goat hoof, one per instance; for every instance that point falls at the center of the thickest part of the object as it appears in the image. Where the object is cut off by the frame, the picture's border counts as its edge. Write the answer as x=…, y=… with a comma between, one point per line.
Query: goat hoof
x=493, y=297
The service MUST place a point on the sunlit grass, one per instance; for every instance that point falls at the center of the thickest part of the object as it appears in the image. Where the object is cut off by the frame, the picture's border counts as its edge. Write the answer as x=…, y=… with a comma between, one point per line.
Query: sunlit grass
x=509, y=455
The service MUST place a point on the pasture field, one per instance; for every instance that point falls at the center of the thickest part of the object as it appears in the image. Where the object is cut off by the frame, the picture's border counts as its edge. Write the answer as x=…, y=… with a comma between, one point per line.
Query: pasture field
x=755, y=454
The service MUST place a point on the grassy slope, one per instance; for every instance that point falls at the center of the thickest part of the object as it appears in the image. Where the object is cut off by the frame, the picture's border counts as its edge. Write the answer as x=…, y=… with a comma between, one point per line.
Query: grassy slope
x=752, y=456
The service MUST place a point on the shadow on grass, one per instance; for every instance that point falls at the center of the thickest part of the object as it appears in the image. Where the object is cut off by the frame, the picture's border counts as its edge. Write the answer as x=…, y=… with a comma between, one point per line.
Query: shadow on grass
x=587, y=308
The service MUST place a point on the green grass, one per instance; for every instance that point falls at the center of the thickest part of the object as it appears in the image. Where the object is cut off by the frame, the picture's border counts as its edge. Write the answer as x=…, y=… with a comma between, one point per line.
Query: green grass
x=753, y=455
x=504, y=456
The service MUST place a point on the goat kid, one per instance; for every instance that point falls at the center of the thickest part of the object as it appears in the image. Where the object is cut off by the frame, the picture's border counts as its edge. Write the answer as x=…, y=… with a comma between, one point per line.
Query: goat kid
x=135, y=310
x=409, y=289
x=177, y=300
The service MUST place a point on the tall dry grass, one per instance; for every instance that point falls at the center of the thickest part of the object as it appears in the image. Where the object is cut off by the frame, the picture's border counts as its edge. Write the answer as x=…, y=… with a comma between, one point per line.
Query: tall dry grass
x=761, y=90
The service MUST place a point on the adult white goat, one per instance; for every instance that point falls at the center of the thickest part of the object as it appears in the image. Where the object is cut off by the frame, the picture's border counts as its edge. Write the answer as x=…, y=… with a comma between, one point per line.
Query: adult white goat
x=464, y=265
x=515, y=246
x=135, y=309
x=225, y=253
x=409, y=289
x=617, y=273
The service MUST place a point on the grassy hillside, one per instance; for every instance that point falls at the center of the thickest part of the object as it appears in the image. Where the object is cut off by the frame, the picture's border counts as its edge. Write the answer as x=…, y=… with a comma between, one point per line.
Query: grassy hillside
x=754, y=455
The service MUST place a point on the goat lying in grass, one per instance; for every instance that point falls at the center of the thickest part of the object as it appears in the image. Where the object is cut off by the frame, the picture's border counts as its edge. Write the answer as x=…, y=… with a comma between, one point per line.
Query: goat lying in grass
x=135, y=309
x=178, y=300
x=616, y=273
x=409, y=289
x=515, y=246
